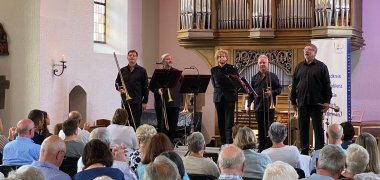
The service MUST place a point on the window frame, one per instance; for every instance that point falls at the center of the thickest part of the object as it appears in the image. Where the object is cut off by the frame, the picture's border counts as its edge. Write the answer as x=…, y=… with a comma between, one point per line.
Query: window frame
x=105, y=21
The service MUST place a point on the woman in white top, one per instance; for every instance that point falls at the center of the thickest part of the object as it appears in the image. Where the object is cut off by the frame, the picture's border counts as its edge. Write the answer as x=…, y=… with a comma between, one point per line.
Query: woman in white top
x=279, y=151
x=121, y=134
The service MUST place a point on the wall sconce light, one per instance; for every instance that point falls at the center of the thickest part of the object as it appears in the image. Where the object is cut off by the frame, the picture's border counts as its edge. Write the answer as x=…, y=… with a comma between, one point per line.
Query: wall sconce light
x=62, y=63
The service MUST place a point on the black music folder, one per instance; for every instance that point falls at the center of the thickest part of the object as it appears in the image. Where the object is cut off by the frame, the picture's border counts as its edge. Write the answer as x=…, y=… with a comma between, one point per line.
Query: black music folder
x=164, y=78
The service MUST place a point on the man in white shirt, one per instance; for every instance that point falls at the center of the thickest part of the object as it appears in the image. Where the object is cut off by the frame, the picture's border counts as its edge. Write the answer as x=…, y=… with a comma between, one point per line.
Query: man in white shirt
x=82, y=135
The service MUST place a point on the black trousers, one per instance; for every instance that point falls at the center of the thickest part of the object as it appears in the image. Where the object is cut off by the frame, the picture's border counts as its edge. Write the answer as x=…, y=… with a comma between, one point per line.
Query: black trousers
x=136, y=111
x=172, y=115
x=263, y=123
x=304, y=115
x=225, y=112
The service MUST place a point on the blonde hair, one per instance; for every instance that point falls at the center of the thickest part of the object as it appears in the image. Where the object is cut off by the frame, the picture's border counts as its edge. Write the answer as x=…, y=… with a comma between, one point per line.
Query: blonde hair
x=220, y=52
x=245, y=138
x=144, y=133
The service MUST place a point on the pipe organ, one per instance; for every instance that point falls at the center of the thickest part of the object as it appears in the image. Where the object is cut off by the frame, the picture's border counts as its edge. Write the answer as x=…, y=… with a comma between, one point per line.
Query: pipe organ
x=278, y=28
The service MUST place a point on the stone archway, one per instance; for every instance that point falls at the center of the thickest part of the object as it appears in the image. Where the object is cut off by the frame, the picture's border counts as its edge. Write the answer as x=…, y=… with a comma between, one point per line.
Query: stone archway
x=78, y=102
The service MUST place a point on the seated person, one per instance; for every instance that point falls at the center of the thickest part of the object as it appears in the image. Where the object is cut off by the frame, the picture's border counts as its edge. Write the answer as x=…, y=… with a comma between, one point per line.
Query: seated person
x=37, y=116
x=348, y=134
x=368, y=141
x=161, y=168
x=279, y=151
x=51, y=156
x=22, y=150
x=334, y=137
x=143, y=133
x=121, y=133
x=26, y=172
x=97, y=160
x=73, y=147
x=280, y=170
x=119, y=160
x=255, y=162
x=195, y=163
x=356, y=161
x=83, y=134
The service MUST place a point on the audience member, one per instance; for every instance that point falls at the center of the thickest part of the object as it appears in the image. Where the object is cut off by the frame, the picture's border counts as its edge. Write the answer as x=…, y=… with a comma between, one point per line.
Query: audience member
x=162, y=168
x=334, y=137
x=103, y=178
x=97, y=160
x=255, y=162
x=356, y=161
x=195, y=163
x=231, y=162
x=37, y=116
x=122, y=134
x=82, y=134
x=235, y=129
x=367, y=176
x=143, y=133
x=173, y=156
x=52, y=153
x=26, y=173
x=348, y=134
x=330, y=163
x=3, y=140
x=22, y=150
x=279, y=170
x=158, y=144
x=73, y=147
x=277, y=134
x=119, y=159
x=43, y=129
x=369, y=143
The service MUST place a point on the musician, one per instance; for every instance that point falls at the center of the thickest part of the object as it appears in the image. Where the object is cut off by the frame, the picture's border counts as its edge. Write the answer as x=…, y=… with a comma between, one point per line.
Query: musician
x=172, y=107
x=311, y=94
x=224, y=95
x=267, y=87
x=136, y=82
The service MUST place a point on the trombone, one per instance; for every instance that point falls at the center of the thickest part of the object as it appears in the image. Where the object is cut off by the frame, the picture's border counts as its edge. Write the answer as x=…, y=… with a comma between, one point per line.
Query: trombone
x=164, y=114
x=268, y=102
x=163, y=103
x=127, y=96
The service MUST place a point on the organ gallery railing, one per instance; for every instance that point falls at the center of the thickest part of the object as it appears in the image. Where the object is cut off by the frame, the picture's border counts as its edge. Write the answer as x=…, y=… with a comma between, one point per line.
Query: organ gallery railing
x=257, y=19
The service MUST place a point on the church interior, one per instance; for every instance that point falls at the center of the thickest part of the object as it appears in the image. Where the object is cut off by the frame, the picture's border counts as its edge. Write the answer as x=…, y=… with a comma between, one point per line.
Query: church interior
x=55, y=58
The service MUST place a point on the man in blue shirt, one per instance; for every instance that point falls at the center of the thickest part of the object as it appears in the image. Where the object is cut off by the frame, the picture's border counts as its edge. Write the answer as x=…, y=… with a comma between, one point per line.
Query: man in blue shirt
x=53, y=151
x=22, y=150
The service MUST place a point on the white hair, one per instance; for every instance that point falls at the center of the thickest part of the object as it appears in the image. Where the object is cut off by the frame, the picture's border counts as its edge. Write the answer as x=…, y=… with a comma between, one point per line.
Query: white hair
x=357, y=158
x=332, y=159
x=231, y=157
x=102, y=134
x=163, y=56
x=279, y=170
x=27, y=172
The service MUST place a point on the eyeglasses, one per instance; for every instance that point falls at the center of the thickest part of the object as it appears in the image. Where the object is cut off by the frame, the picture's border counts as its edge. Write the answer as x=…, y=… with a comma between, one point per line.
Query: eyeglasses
x=308, y=49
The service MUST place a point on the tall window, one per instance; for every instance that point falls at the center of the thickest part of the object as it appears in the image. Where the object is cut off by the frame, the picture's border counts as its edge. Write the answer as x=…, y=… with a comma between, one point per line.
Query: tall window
x=100, y=21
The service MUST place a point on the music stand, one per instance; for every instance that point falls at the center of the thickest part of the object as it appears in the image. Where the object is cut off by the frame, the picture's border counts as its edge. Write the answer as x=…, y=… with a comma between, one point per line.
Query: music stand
x=164, y=78
x=239, y=88
x=194, y=84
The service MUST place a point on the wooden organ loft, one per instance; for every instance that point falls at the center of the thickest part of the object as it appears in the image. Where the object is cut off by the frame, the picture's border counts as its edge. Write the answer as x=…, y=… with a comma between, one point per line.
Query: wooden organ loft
x=278, y=28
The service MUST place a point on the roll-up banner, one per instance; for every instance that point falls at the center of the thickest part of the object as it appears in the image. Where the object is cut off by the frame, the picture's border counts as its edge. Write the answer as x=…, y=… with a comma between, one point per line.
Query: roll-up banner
x=336, y=54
